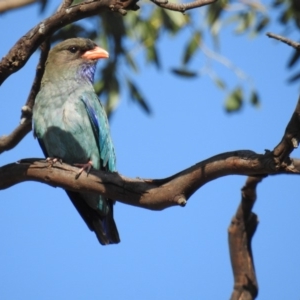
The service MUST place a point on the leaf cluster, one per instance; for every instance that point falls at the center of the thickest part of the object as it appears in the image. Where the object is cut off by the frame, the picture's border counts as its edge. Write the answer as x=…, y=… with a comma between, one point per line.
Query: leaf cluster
x=135, y=39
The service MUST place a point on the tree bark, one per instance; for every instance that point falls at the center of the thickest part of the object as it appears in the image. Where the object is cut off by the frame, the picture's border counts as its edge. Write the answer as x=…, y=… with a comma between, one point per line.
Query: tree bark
x=240, y=233
x=154, y=194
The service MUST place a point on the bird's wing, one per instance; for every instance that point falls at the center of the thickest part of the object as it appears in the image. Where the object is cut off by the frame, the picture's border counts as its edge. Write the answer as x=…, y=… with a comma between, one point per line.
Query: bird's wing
x=99, y=123
x=104, y=227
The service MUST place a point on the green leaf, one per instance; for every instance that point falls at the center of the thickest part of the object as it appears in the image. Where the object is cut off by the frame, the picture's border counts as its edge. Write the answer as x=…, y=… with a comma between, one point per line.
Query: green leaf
x=184, y=73
x=262, y=24
x=192, y=47
x=131, y=62
x=234, y=100
x=220, y=83
x=254, y=99
x=43, y=5
x=294, y=78
x=172, y=21
x=137, y=96
x=112, y=101
x=152, y=56
x=98, y=86
x=214, y=11
x=246, y=20
x=295, y=57
x=277, y=3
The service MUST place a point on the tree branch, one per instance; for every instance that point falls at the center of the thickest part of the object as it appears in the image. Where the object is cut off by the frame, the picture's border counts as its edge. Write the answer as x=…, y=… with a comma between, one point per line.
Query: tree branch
x=240, y=233
x=182, y=7
x=155, y=194
x=13, y=4
x=284, y=40
x=10, y=141
x=23, y=49
x=65, y=4
x=45, y=47
x=290, y=139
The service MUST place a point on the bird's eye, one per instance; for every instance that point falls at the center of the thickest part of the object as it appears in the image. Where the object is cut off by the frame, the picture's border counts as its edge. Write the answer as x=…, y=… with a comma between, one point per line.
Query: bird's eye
x=73, y=49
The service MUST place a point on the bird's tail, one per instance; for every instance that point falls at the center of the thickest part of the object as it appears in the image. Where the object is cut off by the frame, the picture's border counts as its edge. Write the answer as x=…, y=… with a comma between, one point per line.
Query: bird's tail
x=104, y=226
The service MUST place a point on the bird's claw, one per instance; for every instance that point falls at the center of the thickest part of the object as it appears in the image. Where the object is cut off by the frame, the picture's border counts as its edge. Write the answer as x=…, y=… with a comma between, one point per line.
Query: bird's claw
x=52, y=161
x=84, y=167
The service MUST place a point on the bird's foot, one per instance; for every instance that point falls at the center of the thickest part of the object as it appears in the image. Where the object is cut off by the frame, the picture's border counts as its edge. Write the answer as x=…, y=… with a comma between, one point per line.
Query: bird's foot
x=84, y=167
x=52, y=161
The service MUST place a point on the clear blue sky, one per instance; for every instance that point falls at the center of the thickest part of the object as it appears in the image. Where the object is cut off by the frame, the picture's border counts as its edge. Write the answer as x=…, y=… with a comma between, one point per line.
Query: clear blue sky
x=47, y=252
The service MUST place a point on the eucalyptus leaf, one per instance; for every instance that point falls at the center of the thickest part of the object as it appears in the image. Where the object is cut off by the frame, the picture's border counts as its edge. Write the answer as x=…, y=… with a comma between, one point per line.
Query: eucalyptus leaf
x=254, y=99
x=192, y=47
x=137, y=97
x=184, y=73
x=234, y=100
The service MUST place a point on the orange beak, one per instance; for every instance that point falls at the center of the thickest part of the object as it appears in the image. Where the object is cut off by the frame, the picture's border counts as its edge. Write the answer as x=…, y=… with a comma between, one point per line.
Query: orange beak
x=95, y=53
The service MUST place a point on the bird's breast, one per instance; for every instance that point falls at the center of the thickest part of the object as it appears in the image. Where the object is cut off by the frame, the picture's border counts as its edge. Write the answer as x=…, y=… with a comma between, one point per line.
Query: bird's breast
x=62, y=123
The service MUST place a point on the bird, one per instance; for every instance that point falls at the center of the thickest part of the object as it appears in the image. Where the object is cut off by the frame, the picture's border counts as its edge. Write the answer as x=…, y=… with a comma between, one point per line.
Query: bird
x=71, y=125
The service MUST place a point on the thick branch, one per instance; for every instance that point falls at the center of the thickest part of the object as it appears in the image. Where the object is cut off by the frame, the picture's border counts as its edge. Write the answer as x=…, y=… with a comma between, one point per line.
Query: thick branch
x=66, y=4
x=240, y=233
x=182, y=7
x=23, y=49
x=155, y=194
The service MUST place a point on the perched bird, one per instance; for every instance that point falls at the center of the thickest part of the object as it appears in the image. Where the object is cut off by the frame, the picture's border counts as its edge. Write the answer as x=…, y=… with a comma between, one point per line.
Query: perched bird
x=71, y=125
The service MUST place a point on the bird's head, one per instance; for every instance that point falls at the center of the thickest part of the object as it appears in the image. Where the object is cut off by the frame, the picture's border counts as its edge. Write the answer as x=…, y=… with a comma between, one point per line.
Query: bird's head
x=75, y=57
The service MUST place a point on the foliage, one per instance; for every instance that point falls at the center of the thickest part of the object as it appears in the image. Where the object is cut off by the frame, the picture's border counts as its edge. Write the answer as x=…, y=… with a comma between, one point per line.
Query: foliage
x=138, y=35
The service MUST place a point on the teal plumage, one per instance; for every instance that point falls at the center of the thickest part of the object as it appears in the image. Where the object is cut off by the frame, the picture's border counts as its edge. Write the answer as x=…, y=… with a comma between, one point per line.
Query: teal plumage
x=71, y=124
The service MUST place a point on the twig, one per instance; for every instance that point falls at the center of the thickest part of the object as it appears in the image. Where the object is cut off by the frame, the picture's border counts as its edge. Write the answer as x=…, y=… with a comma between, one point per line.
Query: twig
x=9, y=142
x=182, y=7
x=27, y=109
x=240, y=233
x=224, y=61
x=284, y=40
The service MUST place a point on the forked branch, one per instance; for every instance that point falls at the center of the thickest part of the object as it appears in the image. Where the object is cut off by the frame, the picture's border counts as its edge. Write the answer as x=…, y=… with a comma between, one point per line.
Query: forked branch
x=240, y=233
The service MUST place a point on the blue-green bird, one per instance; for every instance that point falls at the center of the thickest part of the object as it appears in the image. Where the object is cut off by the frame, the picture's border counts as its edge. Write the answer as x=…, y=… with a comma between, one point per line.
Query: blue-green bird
x=71, y=125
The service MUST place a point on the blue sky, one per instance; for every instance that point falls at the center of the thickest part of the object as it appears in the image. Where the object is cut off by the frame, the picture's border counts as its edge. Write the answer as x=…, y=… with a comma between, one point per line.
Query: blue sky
x=47, y=252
